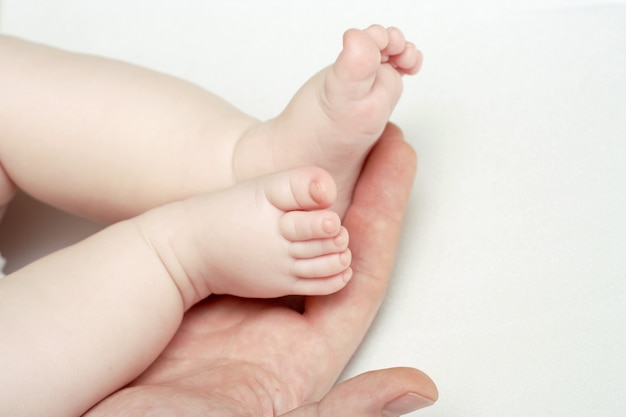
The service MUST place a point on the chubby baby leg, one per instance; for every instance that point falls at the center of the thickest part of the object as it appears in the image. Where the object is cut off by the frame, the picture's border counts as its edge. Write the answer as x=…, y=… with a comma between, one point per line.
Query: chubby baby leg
x=269, y=237
x=118, y=297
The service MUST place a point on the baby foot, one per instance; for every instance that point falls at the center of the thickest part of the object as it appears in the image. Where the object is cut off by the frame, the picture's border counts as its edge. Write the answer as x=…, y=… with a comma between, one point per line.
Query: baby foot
x=337, y=116
x=265, y=238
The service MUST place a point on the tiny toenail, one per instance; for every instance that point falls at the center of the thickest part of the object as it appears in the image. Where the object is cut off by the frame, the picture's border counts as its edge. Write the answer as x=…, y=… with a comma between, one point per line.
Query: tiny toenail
x=340, y=240
x=329, y=226
x=345, y=257
x=347, y=274
x=317, y=192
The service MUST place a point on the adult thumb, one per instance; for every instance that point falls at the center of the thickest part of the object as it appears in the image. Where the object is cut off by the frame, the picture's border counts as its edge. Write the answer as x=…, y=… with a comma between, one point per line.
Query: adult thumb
x=388, y=392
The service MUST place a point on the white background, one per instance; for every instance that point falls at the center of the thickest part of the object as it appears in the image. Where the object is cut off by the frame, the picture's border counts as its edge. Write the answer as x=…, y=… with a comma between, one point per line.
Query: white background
x=510, y=283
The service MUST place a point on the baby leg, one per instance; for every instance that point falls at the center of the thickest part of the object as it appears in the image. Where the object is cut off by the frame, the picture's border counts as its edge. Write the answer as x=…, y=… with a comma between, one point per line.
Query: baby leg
x=106, y=139
x=111, y=140
x=103, y=309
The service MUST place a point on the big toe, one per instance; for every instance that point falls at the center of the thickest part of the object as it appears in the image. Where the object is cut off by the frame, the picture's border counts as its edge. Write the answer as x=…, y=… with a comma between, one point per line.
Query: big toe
x=308, y=188
x=360, y=58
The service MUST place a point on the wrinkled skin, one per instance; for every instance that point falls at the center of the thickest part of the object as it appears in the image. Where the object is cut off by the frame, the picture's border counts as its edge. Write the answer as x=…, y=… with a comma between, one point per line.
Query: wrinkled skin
x=240, y=357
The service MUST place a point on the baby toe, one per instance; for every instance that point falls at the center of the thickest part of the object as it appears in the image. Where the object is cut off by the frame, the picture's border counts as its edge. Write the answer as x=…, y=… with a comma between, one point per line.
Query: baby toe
x=409, y=61
x=322, y=266
x=396, y=43
x=379, y=34
x=306, y=188
x=322, y=286
x=319, y=247
x=299, y=226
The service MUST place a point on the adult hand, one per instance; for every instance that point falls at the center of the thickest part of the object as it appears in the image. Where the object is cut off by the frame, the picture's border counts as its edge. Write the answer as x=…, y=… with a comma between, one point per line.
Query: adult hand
x=240, y=357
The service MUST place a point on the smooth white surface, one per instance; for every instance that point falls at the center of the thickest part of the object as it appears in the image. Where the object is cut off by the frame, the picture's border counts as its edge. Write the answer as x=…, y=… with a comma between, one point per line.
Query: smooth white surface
x=510, y=284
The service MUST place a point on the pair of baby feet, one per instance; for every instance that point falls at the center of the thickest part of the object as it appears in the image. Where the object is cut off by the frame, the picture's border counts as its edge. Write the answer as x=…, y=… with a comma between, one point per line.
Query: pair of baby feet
x=279, y=232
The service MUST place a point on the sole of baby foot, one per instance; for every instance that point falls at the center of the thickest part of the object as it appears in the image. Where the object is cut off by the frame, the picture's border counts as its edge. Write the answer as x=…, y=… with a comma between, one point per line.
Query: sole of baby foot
x=337, y=116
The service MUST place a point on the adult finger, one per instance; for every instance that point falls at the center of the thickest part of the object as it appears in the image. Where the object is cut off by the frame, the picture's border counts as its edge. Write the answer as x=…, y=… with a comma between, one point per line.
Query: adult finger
x=388, y=393
x=374, y=221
